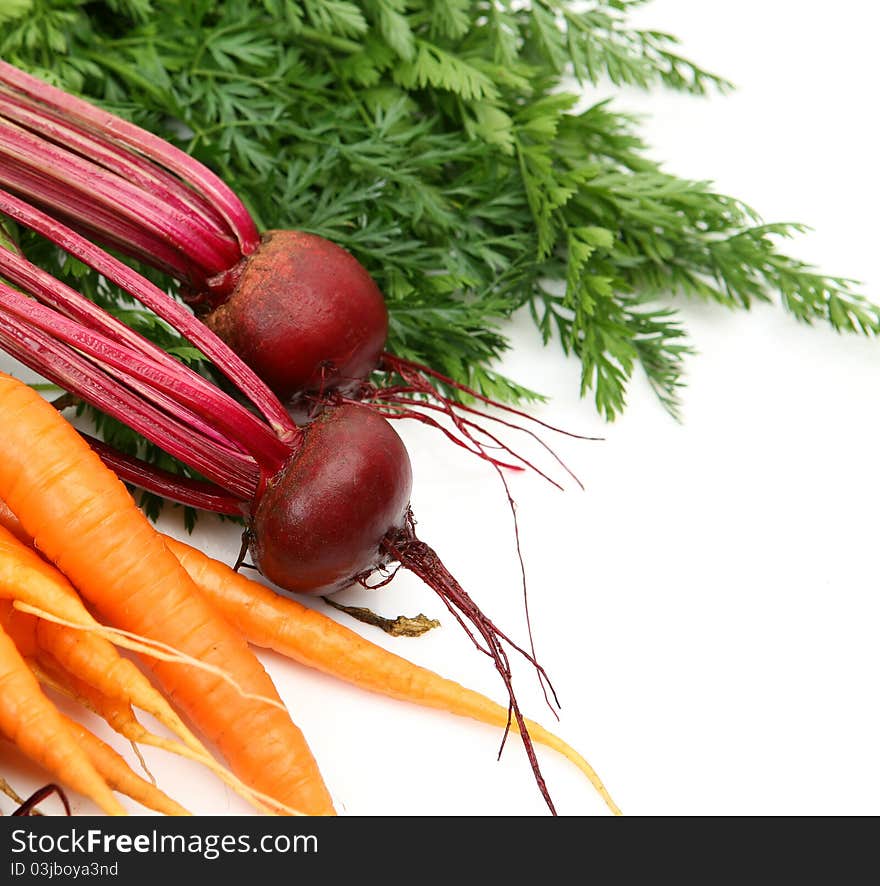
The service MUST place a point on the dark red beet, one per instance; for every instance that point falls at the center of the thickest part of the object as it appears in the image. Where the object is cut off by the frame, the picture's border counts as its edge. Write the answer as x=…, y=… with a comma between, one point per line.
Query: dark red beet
x=304, y=314
x=320, y=523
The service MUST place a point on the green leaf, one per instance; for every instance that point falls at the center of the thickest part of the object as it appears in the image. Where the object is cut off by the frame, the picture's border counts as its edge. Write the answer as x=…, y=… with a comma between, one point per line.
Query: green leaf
x=8, y=240
x=492, y=125
x=394, y=27
x=433, y=66
x=14, y=9
x=335, y=17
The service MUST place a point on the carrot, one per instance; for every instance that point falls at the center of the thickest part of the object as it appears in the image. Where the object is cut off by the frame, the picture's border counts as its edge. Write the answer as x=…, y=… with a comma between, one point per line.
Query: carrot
x=27, y=579
x=305, y=635
x=31, y=722
x=118, y=774
x=85, y=522
x=118, y=714
x=20, y=628
x=275, y=622
x=12, y=525
x=113, y=768
x=31, y=581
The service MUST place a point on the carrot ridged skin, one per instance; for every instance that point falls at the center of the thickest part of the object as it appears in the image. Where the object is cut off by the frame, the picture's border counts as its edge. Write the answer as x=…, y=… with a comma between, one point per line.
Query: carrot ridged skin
x=279, y=623
x=27, y=577
x=83, y=520
x=31, y=722
x=12, y=525
x=119, y=775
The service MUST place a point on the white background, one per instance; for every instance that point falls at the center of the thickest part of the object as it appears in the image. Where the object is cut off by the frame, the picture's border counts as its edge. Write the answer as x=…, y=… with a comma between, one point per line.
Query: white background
x=708, y=607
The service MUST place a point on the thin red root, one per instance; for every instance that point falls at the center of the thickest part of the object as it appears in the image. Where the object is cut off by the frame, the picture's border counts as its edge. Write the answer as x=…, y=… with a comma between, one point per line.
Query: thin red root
x=418, y=374
x=421, y=390
x=37, y=797
x=418, y=557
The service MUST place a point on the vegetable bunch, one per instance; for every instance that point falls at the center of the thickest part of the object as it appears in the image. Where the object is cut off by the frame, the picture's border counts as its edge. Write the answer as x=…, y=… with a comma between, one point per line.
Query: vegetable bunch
x=188, y=618
x=325, y=505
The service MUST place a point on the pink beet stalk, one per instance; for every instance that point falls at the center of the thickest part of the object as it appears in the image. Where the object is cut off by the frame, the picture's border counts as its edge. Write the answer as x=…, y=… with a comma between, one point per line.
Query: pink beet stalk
x=203, y=407
x=98, y=221
x=174, y=487
x=130, y=166
x=72, y=371
x=102, y=331
x=78, y=176
x=214, y=191
x=159, y=302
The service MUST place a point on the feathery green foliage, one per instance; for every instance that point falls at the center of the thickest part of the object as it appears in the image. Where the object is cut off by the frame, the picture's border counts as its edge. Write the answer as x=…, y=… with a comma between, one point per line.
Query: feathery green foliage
x=443, y=142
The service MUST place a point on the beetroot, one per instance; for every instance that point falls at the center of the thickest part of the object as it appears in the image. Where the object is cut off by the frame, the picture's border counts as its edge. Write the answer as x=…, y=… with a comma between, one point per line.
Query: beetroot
x=319, y=525
x=304, y=315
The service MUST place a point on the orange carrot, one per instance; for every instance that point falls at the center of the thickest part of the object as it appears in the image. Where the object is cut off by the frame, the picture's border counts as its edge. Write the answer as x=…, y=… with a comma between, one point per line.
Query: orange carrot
x=31, y=722
x=119, y=775
x=26, y=578
x=279, y=623
x=11, y=524
x=113, y=768
x=20, y=628
x=309, y=637
x=83, y=520
x=116, y=711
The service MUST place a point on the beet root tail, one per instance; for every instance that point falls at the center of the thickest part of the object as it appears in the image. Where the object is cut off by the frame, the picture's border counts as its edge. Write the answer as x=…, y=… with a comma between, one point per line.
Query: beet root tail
x=420, y=559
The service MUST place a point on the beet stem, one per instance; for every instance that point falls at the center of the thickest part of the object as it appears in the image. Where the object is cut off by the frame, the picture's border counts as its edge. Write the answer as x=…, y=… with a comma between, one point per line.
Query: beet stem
x=97, y=221
x=105, y=338
x=244, y=378
x=76, y=373
x=211, y=188
x=175, y=487
x=97, y=147
x=104, y=188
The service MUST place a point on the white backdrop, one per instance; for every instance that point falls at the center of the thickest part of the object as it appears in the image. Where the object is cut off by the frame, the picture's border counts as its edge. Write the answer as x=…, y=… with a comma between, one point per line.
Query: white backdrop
x=708, y=607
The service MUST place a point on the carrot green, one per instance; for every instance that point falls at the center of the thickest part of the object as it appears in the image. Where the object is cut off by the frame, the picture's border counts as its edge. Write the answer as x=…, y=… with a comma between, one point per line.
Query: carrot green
x=443, y=144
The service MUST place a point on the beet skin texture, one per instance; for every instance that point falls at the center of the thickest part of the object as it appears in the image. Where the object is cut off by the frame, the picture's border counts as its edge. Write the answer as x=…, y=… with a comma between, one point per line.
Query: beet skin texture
x=304, y=315
x=319, y=525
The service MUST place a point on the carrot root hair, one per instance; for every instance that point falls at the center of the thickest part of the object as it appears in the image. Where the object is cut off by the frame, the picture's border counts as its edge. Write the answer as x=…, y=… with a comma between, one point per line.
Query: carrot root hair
x=121, y=719
x=6, y=788
x=146, y=646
